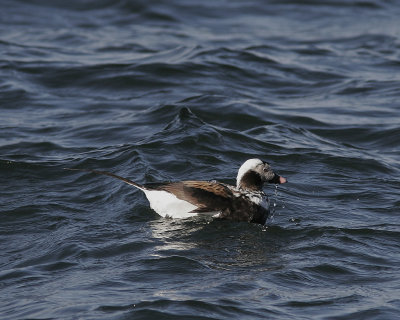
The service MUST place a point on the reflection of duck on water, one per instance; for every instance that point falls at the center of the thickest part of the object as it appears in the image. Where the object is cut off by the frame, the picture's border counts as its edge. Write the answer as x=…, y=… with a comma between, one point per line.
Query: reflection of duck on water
x=184, y=199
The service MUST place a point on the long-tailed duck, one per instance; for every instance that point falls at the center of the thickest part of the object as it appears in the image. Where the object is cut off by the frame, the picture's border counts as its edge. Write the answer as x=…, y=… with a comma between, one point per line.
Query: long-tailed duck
x=183, y=199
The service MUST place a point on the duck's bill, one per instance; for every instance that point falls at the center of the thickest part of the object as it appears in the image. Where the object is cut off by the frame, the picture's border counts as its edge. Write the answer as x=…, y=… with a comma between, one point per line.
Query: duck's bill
x=282, y=179
x=278, y=179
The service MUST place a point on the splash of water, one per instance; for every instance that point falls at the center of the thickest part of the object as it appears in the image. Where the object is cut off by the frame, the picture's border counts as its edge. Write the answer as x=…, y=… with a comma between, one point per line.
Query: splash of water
x=274, y=204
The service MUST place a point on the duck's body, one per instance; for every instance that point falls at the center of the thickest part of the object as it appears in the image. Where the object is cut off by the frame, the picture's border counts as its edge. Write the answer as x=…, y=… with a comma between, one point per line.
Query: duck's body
x=188, y=198
x=184, y=199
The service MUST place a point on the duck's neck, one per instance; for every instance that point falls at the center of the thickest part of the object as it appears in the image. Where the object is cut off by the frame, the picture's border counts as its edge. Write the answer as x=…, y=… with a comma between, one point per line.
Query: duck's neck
x=250, y=181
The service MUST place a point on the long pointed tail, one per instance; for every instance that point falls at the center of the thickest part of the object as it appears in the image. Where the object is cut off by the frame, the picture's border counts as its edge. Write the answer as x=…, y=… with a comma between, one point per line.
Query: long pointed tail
x=132, y=183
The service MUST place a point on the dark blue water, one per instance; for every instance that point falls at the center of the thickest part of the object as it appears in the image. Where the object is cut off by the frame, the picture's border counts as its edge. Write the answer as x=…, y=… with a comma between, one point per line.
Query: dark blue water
x=178, y=89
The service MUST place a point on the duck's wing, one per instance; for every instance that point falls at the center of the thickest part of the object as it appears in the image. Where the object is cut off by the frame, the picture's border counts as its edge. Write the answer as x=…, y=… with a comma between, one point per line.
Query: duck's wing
x=206, y=196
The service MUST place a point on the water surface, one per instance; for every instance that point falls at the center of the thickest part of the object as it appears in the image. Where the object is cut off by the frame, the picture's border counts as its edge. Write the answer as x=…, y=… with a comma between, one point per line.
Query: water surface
x=170, y=90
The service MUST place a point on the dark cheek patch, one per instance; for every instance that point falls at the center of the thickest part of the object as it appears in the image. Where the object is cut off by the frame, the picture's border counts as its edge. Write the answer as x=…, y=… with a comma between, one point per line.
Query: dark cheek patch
x=251, y=181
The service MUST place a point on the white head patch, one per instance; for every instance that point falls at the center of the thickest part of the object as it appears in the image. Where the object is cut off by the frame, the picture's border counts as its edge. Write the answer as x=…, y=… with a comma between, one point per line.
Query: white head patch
x=247, y=166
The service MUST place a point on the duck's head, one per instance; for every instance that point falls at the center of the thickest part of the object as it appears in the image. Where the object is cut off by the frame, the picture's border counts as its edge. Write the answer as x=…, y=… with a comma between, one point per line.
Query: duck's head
x=254, y=173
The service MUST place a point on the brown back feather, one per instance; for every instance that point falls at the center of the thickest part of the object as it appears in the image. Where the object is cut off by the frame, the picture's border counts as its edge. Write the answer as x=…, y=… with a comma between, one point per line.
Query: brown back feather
x=207, y=196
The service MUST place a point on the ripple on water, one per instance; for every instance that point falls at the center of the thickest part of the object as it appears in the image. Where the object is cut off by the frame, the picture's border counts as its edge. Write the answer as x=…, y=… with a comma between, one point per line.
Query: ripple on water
x=176, y=90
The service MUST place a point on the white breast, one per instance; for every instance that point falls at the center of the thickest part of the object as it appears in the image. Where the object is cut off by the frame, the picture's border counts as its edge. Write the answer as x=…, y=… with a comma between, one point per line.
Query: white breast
x=260, y=199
